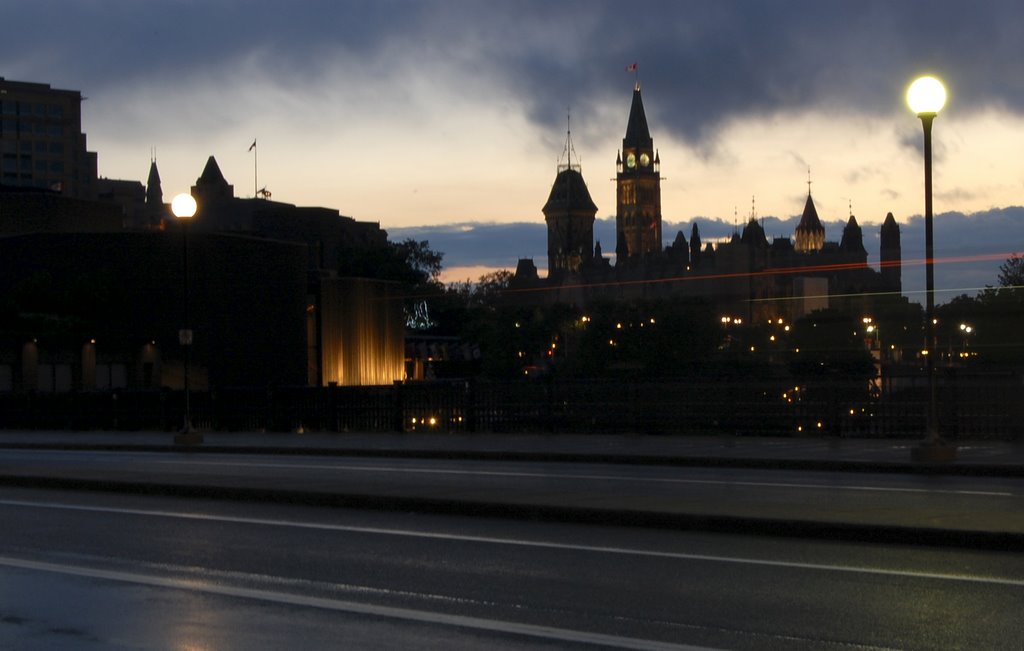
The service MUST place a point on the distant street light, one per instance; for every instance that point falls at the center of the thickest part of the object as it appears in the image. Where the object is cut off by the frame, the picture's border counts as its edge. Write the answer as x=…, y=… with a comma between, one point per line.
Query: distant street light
x=965, y=330
x=184, y=208
x=926, y=97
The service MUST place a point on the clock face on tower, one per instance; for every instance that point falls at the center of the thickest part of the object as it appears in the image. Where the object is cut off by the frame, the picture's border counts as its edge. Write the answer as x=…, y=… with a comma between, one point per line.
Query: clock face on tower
x=645, y=160
x=631, y=161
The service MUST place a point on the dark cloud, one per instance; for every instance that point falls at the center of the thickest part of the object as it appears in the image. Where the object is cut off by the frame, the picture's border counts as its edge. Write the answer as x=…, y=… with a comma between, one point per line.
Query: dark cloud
x=703, y=63
x=93, y=45
x=968, y=248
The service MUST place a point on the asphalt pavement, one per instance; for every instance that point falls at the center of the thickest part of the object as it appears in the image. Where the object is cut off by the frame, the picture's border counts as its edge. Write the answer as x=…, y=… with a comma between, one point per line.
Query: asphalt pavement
x=999, y=527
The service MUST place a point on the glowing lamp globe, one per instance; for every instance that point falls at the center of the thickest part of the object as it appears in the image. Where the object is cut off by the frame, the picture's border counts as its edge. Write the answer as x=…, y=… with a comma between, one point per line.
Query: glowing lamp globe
x=926, y=95
x=183, y=206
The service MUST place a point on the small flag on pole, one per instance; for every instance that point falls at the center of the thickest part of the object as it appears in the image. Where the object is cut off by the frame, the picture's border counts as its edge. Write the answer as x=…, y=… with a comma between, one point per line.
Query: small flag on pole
x=631, y=67
x=253, y=145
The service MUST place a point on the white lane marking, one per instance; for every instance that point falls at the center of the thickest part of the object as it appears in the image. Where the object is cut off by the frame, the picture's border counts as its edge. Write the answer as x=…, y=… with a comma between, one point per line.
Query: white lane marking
x=424, y=616
x=544, y=475
x=519, y=542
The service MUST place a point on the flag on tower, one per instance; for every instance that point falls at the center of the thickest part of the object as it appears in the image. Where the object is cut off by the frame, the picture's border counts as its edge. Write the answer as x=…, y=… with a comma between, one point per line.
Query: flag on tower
x=253, y=145
x=631, y=67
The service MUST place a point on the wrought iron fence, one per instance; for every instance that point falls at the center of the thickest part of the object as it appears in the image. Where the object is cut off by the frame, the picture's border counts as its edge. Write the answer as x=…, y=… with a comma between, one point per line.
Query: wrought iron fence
x=970, y=406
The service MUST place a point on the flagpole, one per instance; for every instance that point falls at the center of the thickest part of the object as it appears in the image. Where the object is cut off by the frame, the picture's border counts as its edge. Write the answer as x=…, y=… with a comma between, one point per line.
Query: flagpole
x=255, y=169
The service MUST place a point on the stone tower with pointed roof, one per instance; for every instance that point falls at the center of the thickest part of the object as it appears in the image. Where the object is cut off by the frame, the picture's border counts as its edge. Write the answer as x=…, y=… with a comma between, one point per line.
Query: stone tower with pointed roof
x=890, y=254
x=810, y=234
x=853, y=239
x=569, y=213
x=638, y=189
x=211, y=186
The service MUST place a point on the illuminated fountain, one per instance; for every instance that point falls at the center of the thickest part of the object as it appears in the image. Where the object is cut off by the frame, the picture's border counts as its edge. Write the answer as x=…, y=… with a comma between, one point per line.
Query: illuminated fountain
x=363, y=332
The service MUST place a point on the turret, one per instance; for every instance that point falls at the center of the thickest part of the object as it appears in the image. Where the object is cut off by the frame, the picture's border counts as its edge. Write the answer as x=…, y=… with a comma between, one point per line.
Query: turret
x=753, y=235
x=694, y=246
x=154, y=193
x=890, y=254
x=810, y=234
x=569, y=213
x=853, y=239
x=211, y=185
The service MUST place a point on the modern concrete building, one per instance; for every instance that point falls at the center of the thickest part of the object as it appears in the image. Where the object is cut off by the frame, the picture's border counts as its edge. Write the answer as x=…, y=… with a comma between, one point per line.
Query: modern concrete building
x=42, y=145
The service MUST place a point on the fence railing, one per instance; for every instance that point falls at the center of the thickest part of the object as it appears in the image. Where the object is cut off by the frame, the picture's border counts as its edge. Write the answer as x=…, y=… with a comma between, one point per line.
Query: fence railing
x=968, y=407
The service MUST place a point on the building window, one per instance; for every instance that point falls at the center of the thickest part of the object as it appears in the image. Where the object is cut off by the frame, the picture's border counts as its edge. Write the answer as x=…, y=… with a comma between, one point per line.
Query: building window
x=55, y=378
x=111, y=376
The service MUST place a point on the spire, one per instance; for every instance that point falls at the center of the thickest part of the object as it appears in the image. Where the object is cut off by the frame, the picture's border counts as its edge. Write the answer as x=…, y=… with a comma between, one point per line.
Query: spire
x=154, y=193
x=810, y=234
x=569, y=151
x=638, y=134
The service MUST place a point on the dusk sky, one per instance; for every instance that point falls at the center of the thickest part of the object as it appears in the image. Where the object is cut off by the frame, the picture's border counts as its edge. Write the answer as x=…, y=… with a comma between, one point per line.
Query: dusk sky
x=417, y=114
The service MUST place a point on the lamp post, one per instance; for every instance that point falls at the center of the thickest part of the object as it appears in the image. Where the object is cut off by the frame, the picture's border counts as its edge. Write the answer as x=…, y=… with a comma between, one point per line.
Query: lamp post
x=926, y=96
x=965, y=330
x=184, y=208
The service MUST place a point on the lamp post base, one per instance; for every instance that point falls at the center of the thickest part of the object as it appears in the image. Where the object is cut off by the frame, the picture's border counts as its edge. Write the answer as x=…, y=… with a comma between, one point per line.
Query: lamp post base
x=933, y=452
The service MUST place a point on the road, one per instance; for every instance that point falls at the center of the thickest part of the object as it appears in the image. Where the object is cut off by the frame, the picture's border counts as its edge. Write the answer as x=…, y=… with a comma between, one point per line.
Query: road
x=113, y=568
x=879, y=503
x=102, y=571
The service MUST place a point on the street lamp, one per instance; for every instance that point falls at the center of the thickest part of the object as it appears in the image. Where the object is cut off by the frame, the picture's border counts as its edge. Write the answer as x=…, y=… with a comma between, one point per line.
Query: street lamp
x=965, y=330
x=926, y=97
x=184, y=208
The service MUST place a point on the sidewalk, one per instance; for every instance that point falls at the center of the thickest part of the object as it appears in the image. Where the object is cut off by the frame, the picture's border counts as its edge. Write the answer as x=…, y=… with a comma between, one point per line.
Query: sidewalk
x=983, y=458
x=991, y=517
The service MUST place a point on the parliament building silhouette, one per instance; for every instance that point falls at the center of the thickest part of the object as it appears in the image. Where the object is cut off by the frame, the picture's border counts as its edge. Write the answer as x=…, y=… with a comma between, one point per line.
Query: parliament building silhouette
x=747, y=276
